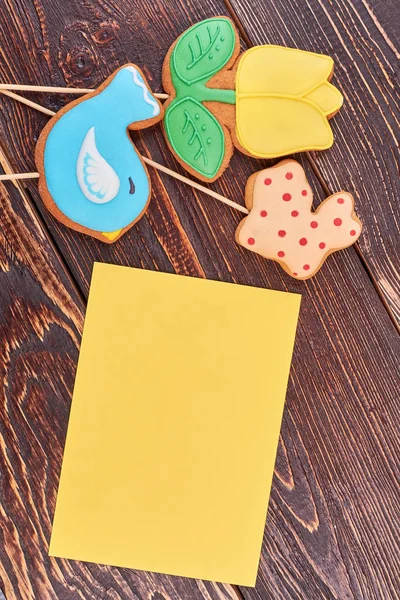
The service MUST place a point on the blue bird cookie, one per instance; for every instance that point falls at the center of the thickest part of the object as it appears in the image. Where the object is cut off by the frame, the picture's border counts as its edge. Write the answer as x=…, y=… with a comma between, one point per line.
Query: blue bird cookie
x=92, y=178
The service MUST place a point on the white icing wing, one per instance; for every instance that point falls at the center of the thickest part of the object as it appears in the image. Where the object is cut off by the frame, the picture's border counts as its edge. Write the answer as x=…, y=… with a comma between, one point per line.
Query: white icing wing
x=147, y=97
x=97, y=179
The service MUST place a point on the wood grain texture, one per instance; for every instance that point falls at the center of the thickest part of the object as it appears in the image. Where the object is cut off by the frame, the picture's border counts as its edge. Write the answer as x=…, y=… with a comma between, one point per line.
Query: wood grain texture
x=41, y=320
x=331, y=529
x=362, y=38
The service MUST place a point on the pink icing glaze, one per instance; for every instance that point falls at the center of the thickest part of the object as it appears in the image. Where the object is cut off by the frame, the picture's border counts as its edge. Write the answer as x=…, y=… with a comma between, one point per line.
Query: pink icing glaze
x=299, y=244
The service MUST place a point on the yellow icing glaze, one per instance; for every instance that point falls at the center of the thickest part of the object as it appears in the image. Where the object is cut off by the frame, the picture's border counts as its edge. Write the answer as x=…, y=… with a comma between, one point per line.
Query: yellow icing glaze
x=284, y=100
x=111, y=235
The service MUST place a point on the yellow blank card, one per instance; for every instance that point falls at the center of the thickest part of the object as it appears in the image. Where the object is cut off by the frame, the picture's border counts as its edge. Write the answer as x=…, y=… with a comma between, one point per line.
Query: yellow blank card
x=174, y=424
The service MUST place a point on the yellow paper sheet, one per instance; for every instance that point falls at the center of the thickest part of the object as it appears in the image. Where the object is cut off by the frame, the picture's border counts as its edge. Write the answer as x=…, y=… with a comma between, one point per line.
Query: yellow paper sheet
x=174, y=424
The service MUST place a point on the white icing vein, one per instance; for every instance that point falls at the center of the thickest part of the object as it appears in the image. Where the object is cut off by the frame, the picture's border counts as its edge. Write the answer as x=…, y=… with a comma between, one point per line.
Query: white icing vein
x=146, y=95
x=97, y=179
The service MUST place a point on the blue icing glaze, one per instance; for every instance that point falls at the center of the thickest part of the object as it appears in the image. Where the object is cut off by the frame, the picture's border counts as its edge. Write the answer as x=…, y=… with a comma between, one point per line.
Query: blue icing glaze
x=121, y=103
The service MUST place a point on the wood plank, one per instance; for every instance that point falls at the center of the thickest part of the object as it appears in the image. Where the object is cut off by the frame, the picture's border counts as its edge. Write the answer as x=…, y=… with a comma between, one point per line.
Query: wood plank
x=41, y=320
x=335, y=483
x=364, y=159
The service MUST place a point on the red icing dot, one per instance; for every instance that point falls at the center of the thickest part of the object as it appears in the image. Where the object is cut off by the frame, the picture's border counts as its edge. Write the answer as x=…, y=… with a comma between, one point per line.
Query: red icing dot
x=340, y=200
x=304, y=193
x=281, y=254
x=263, y=213
x=314, y=224
x=306, y=267
x=303, y=241
x=289, y=175
x=287, y=197
x=295, y=213
x=295, y=274
x=268, y=181
x=251, y=241
x=337, y=222
x=353, y=232
x=281, y=233
x=322, y=245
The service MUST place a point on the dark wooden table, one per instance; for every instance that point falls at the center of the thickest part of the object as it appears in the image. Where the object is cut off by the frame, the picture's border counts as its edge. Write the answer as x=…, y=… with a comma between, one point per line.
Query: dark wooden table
x=333, y=524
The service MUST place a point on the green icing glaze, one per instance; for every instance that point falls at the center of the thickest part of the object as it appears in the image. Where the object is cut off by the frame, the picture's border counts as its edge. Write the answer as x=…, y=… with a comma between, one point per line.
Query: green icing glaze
x=195, y=135
x=200, y=92
x=215, y=95
x=195, y=56
x=193, y=132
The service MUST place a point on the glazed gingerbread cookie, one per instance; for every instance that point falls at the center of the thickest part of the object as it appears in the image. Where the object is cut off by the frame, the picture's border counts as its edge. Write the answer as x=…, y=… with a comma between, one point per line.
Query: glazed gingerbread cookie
x=282, y=227
x=92, y=178
x=268, y=102
x=200, y=141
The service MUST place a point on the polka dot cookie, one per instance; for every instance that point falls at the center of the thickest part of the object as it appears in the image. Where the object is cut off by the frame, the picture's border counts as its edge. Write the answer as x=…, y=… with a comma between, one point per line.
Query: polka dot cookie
x=281, y=225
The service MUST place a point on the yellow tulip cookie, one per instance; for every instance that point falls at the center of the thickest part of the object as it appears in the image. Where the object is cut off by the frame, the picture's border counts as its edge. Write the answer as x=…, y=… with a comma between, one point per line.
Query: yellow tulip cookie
x=282, y=227
x=284, y=100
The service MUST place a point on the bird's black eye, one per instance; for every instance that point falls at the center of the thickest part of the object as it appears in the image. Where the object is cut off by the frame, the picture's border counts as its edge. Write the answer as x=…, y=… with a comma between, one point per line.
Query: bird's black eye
x=131, y=186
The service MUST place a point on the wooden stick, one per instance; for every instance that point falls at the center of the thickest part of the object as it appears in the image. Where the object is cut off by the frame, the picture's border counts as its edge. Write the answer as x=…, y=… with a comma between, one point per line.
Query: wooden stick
x=57, y=90
x=23, y=100
x=195, y=185
x=15, y=176
x=152, y=163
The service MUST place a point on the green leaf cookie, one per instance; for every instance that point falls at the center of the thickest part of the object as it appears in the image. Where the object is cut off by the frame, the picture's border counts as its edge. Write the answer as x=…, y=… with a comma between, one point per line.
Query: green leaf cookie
x=203, y=50
x=195, y=135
